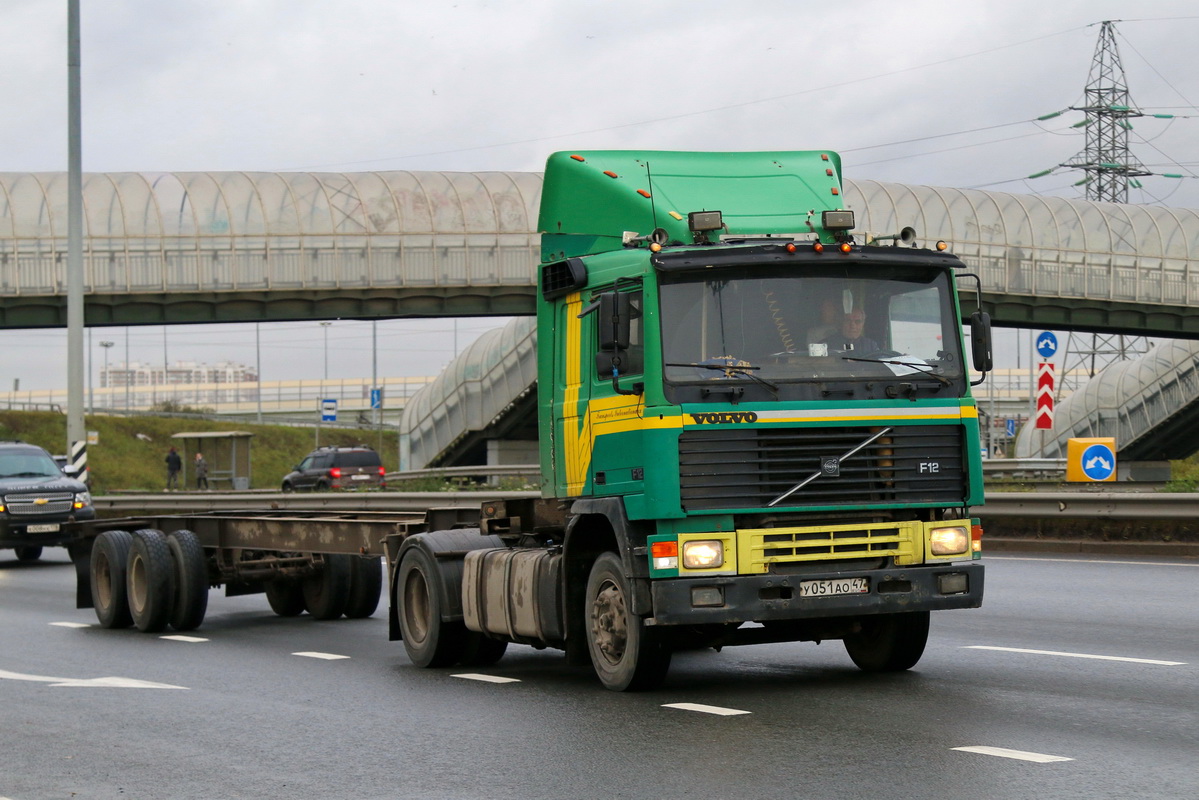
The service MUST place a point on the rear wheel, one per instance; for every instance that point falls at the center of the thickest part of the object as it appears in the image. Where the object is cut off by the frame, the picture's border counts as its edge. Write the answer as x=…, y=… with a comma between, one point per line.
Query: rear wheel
x=890, y=642
x=479, y=650
x=150, y=581
x=191, y=580
x=627, y=655
x=29, y=552
x=327, y=592
x=366, y=584
x=110, y=554
x=429, y=641
x=286, y=597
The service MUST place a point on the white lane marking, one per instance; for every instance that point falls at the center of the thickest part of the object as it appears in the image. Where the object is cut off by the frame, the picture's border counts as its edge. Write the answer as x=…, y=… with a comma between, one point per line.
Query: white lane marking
x=67, y=625
x=314, y=654
x=703, y=709
x=478, y=676
x=1094, y=561
x=1151, y=661
x=1023, y=755
x=108, y=683
x=180, y=638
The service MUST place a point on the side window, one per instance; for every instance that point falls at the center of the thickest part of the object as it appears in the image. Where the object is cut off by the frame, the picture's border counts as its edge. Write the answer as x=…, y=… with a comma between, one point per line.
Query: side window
x=306, y=463
x=636, y=353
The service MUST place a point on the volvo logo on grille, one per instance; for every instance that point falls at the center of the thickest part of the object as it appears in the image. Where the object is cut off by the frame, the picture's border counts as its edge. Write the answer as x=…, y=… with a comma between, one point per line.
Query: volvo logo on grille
x=830, y=467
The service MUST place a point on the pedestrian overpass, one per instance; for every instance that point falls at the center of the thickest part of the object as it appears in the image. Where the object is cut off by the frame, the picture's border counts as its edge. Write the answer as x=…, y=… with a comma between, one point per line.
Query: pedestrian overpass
x=166, y=248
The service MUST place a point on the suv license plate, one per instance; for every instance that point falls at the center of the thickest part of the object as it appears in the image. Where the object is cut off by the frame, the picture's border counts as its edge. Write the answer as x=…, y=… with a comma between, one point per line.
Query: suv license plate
x=360, y=477
x=833, y=587
x=47, y=528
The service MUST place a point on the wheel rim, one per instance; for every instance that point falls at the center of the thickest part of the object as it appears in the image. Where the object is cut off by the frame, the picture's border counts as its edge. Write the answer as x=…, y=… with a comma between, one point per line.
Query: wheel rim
x=138, y=584
x=416, y=606
x=610, y=623
x=103, y=580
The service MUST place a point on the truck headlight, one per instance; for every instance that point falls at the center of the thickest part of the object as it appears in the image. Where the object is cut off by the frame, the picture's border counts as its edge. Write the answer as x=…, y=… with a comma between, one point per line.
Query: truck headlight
x=83, y=499
x=949, y=541
x=703, y=554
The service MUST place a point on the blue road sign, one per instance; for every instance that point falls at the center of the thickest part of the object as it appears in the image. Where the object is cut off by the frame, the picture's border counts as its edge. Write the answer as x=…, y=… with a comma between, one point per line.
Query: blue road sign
x=376, y=398
x=329, y=410
x=1011, y=427
x=1046, y=345
x=1098, y=462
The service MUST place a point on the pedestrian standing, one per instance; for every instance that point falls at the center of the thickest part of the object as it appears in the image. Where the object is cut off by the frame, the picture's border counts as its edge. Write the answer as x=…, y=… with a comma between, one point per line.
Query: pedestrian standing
x=174, y=464
x=201, y=472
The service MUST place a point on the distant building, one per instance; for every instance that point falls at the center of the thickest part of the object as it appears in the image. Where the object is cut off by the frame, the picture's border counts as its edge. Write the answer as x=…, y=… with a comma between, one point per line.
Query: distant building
x=200, y=383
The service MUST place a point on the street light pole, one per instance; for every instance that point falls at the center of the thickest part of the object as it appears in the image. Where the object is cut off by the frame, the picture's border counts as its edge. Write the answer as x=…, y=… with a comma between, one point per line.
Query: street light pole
x=106, y=379
x=326, y=325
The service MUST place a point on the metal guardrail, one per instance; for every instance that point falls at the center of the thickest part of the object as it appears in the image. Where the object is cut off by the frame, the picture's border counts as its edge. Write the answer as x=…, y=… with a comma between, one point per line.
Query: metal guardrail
x=482, y=471
x=1060, y=505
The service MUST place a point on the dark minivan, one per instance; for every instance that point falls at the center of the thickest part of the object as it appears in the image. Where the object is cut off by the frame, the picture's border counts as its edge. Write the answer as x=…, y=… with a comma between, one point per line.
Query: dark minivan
x=357, y=467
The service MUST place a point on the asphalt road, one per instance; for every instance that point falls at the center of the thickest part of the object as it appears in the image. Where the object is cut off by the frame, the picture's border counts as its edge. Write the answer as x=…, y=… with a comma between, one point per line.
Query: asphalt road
x=249, y=715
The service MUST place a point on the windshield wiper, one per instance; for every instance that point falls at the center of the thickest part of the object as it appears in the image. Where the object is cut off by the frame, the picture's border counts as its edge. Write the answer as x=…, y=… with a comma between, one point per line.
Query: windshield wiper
x=745, y=370
x=921, y=368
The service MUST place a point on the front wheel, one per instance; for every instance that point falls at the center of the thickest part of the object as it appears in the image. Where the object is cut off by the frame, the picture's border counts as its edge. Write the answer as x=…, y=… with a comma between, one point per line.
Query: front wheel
x=627, y=655
x=29, y=552
x=890, y=642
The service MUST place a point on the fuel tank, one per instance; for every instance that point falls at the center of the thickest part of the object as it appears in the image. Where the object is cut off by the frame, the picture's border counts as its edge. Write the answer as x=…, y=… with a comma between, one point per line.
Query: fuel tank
x=514, y=593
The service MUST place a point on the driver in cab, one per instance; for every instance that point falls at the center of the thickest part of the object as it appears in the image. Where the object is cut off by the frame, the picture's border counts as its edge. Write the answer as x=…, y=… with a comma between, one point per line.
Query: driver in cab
x=851, y=336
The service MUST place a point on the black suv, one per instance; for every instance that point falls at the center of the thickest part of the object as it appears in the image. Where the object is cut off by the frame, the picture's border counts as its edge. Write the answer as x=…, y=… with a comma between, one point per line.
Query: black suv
x=36, y=498
x=356, y=467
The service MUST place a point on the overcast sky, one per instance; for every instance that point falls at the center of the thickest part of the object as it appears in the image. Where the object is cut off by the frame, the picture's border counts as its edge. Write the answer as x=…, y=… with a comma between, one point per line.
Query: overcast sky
x=920, y=92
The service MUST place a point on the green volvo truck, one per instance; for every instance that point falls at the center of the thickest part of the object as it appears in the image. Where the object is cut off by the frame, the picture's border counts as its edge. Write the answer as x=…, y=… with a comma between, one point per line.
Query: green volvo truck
x=755, y=426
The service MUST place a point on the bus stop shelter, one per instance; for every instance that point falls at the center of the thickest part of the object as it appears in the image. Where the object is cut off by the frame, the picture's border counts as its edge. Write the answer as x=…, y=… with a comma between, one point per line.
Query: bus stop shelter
x=227, y=454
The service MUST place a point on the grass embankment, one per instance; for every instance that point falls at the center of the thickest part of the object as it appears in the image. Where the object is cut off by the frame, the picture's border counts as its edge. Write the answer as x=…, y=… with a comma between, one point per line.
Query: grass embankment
x=125, y=461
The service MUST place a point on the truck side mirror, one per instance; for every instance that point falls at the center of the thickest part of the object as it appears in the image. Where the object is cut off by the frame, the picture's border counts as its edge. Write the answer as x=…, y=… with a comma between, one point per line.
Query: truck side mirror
x=615, y=322
x=980, y=341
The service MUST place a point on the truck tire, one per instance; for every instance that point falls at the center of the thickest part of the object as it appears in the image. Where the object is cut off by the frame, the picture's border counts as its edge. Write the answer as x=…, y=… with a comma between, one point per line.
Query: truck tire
x=326, y=592
x=286, y=597
x=110, y=554
x=479, y=650
x=366, y=586
x=429, y=641
x=29, y=552
x=191, y=580
x=890, y=642
x=627, y=655
x=150, y=581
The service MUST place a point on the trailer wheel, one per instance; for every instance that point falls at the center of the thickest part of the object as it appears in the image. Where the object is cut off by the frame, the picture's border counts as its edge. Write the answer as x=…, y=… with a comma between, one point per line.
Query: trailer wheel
x=430, y=642
x=286, y=597
x=326, y=593
x=29, y=552
x=479, y=650
x=191, y=580
x=627, y=655
x=889, y=643
x=150, y=581
x=110, y=554
x=366, y=585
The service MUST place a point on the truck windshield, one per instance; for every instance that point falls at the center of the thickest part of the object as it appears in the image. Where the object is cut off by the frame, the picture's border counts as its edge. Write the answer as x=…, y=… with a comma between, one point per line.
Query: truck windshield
x=772, y=331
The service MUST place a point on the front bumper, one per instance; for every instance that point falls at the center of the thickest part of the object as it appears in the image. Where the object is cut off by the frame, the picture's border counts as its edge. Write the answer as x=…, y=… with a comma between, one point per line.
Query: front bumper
x=761, y=598
x=14, y=531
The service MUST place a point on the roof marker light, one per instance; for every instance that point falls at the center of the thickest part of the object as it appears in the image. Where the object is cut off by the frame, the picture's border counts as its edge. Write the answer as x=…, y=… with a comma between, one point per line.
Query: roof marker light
x=817, y=247
x=836, y=190
x=654, y=247
x=790, y=247
x=611, y=174
x=942, y=246
x=846, y=247
x=828, y=172
x=824, y=156
x=676, y=215
x=578, y=158
x=643, y=193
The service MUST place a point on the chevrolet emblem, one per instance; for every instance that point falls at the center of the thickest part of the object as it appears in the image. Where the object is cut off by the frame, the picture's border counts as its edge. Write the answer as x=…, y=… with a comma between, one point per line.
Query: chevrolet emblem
x=40, y=501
